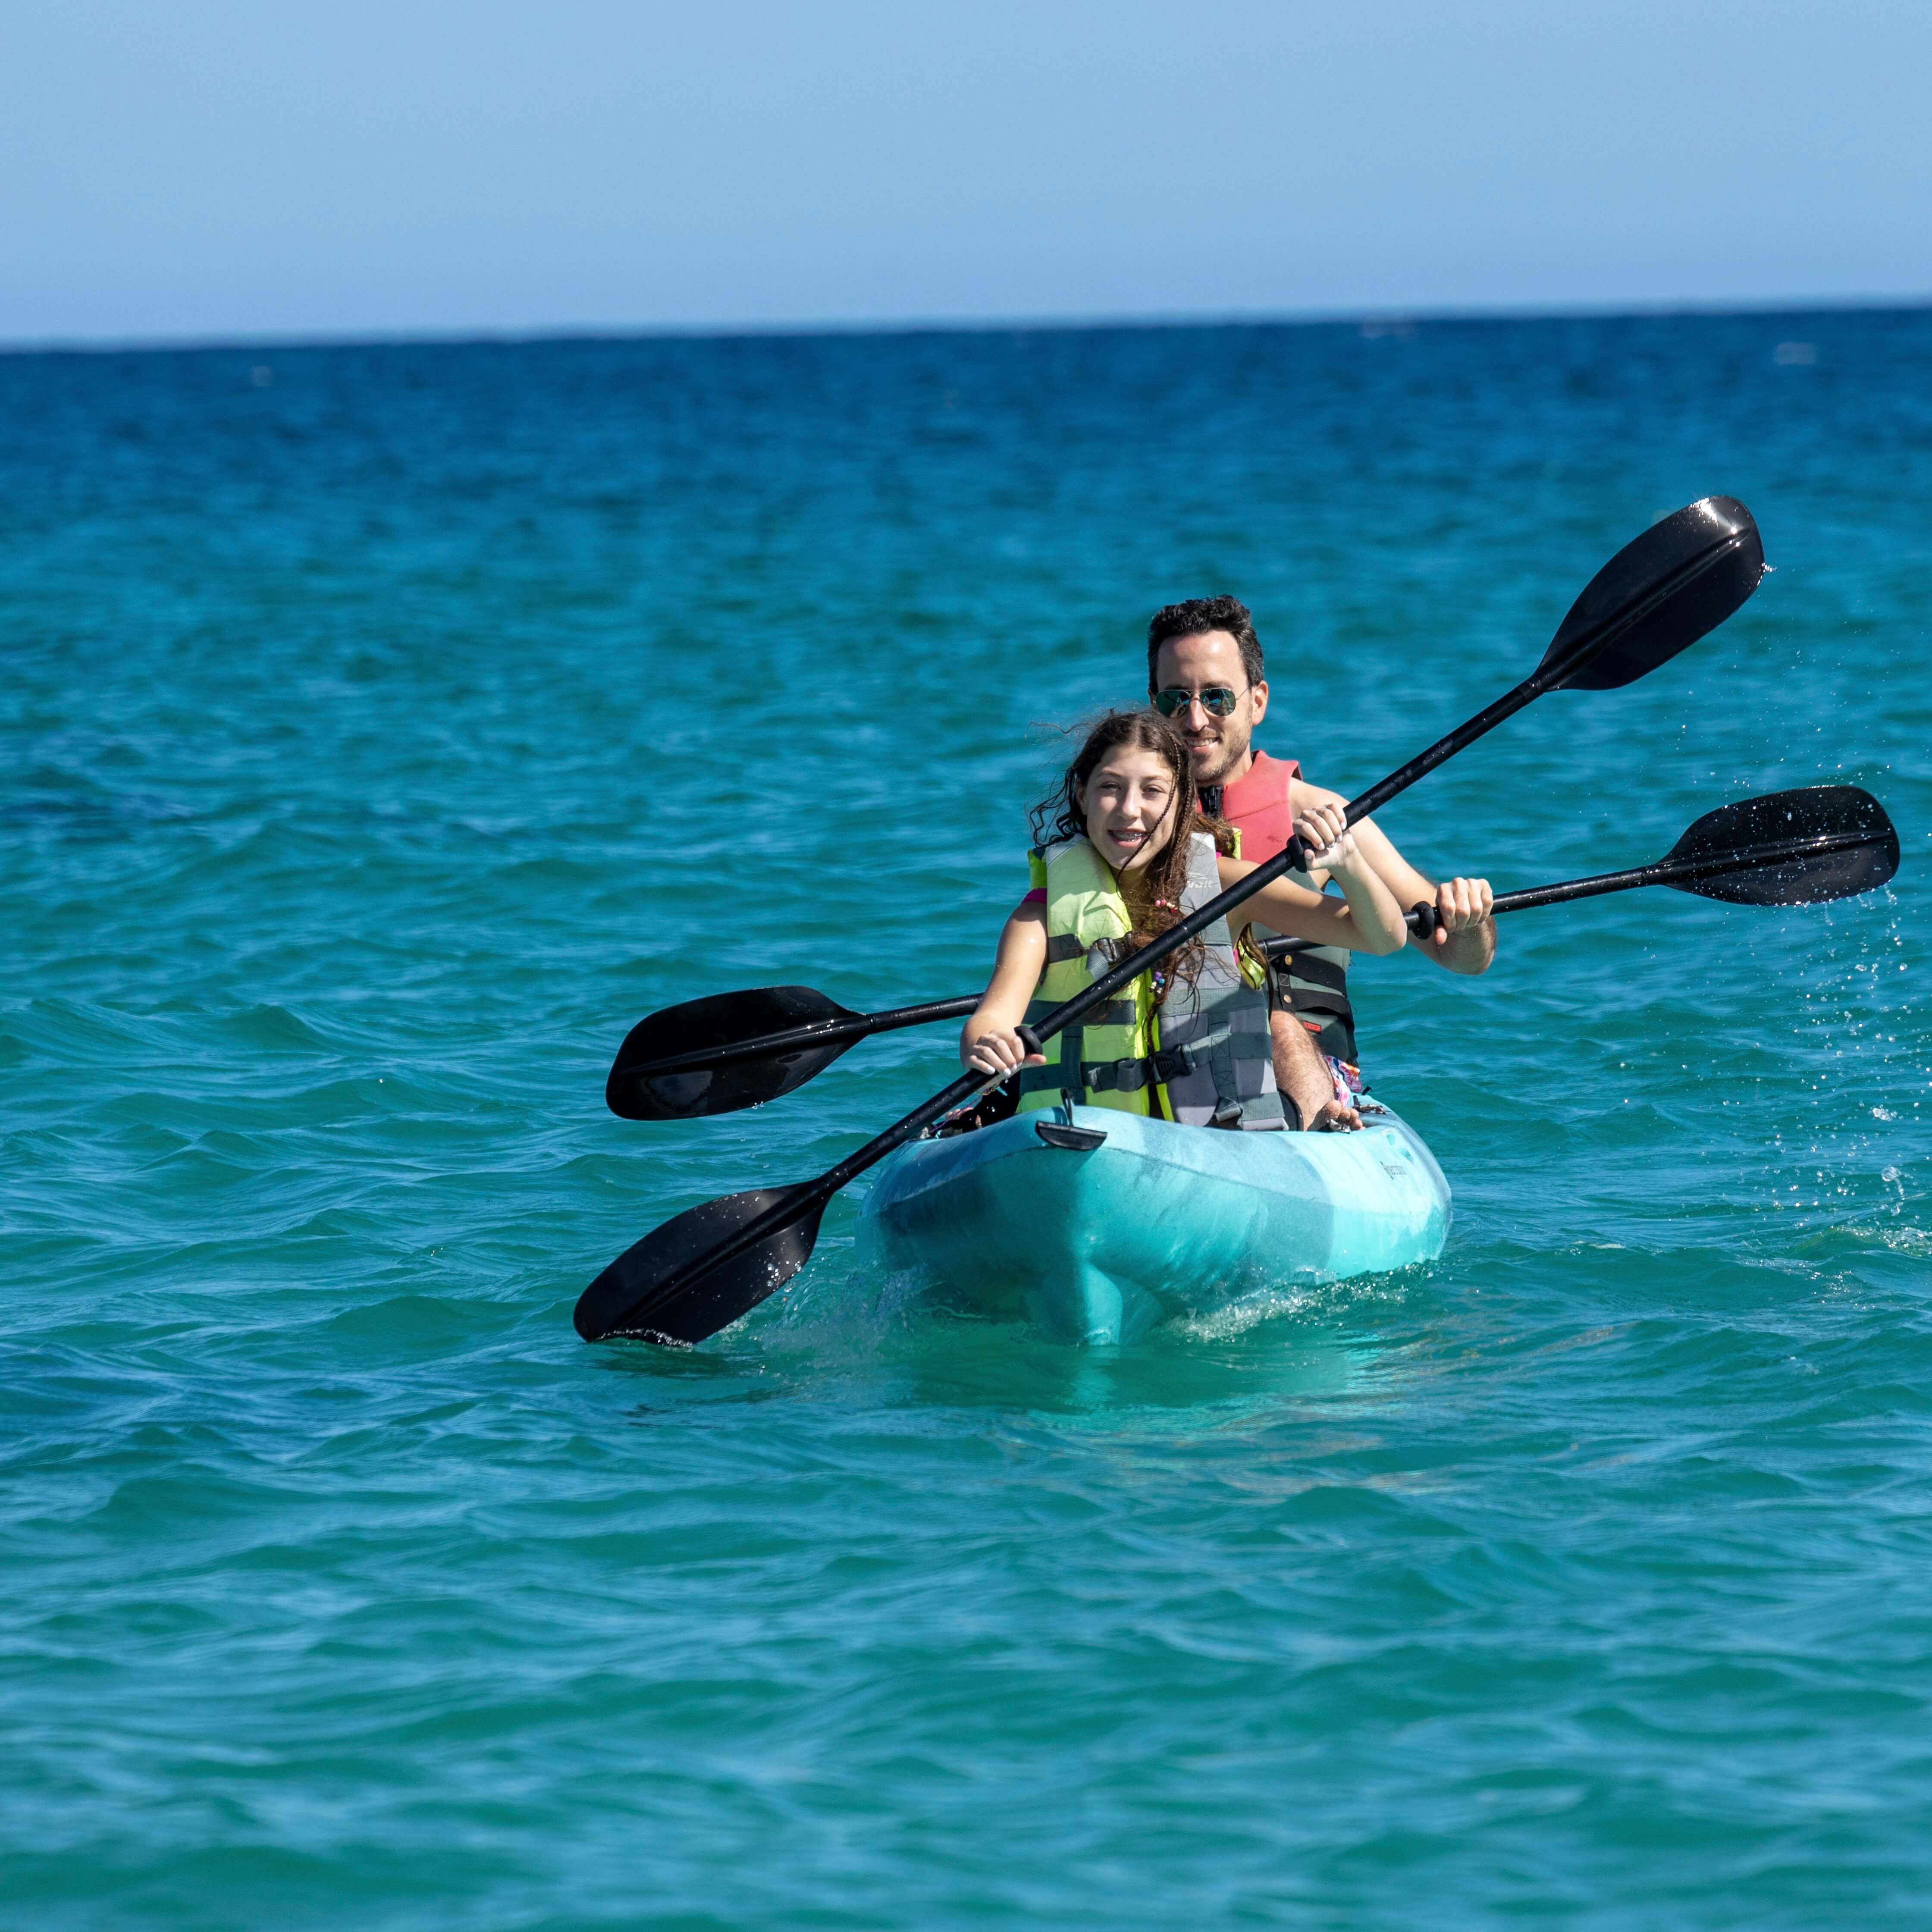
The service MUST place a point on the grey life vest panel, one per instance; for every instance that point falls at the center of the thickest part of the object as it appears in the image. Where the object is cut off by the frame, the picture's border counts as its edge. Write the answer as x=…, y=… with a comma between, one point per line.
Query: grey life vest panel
x=1214, y=1056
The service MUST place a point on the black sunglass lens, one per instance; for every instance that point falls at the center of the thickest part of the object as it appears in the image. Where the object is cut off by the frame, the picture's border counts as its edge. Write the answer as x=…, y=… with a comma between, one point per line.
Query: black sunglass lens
x=1217, y=701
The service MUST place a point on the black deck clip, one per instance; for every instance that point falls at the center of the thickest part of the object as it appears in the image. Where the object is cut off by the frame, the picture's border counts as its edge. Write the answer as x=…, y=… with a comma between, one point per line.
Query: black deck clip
x=1076, y=1140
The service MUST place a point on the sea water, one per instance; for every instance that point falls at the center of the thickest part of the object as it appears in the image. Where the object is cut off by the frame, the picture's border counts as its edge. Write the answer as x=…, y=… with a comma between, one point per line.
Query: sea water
x=386, y=729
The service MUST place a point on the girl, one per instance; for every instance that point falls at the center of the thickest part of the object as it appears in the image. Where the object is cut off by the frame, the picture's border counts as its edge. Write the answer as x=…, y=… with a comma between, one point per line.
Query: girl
x=1128, y=855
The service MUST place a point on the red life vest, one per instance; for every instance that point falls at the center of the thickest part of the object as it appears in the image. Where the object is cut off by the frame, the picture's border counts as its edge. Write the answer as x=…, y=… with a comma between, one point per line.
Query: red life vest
x=1261, y=806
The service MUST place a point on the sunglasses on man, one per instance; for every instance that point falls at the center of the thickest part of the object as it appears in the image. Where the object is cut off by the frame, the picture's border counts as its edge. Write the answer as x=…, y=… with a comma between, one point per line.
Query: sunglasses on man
x=1217, y=701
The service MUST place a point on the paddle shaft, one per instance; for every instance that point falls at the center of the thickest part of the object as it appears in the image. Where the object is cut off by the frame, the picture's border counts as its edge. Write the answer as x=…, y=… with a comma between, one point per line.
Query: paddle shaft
x=817, y=1032
x=1555, y=668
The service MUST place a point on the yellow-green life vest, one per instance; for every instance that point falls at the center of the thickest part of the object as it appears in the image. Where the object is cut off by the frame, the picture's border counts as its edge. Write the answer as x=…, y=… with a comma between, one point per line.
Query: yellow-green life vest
x=1203, y=1058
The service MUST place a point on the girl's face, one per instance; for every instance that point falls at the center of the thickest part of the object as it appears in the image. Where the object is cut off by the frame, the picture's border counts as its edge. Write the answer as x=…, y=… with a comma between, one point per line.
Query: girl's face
x=1128, y=802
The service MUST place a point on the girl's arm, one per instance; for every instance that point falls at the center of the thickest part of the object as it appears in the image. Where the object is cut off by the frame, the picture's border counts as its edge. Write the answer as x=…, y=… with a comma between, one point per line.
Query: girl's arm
x=987, y=1042
x=1370, y=922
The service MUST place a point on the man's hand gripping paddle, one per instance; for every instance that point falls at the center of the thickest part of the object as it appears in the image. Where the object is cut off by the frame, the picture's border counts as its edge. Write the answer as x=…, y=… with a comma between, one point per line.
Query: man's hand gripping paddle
x=704, y=1268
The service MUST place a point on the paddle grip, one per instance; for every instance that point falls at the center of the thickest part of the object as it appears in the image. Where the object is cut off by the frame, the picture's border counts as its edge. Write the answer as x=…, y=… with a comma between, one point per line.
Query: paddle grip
x=1424, y=922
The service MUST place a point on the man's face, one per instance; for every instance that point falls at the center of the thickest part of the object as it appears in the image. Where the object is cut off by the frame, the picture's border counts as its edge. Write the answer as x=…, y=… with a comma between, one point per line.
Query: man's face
x=1218, y=746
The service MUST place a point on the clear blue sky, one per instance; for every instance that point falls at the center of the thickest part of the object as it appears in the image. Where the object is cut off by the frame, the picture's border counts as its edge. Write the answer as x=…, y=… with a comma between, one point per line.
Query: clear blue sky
x=221, y=168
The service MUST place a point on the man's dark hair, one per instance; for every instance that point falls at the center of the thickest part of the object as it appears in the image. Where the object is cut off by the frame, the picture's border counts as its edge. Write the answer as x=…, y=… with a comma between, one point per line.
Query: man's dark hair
x=1206, y=613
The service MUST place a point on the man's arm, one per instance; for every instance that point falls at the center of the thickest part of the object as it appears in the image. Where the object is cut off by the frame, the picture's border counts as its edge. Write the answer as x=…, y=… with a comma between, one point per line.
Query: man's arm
x=1465, y=934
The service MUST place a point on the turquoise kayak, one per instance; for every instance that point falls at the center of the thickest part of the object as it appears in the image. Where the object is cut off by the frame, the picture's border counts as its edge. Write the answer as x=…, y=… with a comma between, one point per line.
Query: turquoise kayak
x=1099, y=1239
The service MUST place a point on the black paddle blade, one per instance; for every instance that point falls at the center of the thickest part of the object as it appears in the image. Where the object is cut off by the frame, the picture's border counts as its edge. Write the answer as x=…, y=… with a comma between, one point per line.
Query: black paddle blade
x=1657, y=596
x=621, y=1301
x=724, y=1019
x=1855, y=847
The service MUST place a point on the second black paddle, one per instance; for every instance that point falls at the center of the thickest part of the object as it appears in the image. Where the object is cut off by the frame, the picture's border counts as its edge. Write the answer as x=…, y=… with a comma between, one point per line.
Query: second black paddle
x=732, y=1050
x=1787, y=848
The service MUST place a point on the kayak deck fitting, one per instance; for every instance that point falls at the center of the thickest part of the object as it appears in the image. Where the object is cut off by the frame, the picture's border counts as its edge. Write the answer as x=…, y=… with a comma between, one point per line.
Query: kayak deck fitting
x=1099, y=1240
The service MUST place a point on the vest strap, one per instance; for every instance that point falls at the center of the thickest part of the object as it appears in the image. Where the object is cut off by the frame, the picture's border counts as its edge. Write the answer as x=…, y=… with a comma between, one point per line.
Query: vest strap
x=1100, y=1076
x=1315, y=990
x=1322, y=972
x=1170, y=1062
x=1129, y=1076
x=1303, y=1000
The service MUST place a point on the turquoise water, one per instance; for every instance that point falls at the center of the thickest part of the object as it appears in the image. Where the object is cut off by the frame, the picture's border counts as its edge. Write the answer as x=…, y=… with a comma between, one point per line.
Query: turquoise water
x=387, y=729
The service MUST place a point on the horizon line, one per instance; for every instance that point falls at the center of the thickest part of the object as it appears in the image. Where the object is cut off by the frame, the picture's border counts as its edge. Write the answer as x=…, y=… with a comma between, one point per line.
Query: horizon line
x=1389, y=317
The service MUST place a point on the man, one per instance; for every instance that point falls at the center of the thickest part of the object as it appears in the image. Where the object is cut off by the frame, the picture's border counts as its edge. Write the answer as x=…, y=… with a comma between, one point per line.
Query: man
x=1205, y=671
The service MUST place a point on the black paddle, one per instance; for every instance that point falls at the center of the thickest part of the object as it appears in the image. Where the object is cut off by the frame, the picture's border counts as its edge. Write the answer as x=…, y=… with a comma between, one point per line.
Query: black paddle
x=702, y=1269
x=1787, y=848
x=737, y=1050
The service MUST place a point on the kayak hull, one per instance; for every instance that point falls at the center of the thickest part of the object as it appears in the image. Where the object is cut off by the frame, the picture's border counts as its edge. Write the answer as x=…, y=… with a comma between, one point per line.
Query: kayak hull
x=1158, y=1220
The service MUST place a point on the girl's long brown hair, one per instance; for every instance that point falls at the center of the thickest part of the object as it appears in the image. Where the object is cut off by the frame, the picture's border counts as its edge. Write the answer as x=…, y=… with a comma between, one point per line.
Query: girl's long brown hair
x=1153, y=891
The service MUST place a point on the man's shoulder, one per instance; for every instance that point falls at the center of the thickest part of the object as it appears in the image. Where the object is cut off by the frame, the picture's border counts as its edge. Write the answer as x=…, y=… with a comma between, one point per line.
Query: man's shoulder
x=1306, y=793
